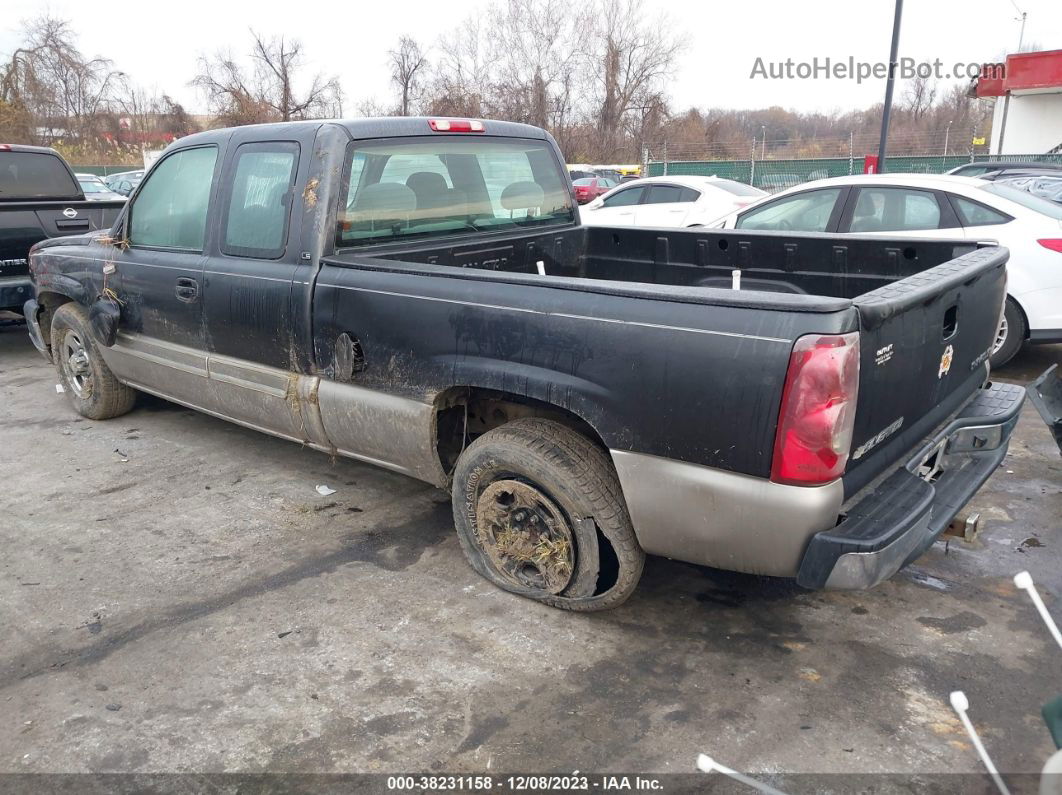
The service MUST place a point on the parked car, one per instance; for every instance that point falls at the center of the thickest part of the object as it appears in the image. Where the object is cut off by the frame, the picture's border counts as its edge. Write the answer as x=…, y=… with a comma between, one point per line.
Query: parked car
x=993, y=169
x=589, y=188
x=669, y=201
x=587, y=394
x=39, y=198
x=773, y=183
x=96, y=190
x=1046, y=187
x=941, y=206
x=575, y=174
x=124, y=182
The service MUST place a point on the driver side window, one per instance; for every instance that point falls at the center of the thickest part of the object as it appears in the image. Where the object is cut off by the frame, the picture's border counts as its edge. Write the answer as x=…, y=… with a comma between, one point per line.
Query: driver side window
x=170, y=210
x=809, y=211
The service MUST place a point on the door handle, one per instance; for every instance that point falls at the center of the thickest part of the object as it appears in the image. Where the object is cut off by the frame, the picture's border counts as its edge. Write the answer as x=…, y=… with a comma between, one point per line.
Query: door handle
x=187, y=290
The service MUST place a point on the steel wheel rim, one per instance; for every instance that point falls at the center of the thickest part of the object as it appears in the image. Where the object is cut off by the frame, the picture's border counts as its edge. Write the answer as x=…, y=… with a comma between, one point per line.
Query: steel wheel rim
x=76, y=365
x=525, y=536
x=1001, y=336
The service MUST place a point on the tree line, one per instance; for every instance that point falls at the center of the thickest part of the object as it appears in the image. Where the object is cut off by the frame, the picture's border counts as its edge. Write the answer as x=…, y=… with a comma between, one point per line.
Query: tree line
x=594, y=74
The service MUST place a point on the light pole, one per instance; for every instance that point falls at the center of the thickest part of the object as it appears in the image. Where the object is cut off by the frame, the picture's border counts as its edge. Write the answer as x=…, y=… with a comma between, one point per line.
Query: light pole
x=947, y=135
x=763, y=138
x=890, y=82
x=1021, y=34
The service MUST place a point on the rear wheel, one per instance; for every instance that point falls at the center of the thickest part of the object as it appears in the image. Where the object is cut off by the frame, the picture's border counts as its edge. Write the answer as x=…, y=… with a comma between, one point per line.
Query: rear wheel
x=1011, y=335
x=86, y=378
x=539, y=513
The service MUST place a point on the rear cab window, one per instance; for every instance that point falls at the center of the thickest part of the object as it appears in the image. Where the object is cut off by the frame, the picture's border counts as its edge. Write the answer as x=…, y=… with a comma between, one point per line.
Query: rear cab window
x=406, y=188
x=35, y=175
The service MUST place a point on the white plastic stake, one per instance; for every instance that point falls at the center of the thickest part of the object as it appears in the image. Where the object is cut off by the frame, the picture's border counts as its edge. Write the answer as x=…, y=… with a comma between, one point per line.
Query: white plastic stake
x=735, y=275
x=541, y=268
x=1024, y=581
x=960, y=704
x=707, y=765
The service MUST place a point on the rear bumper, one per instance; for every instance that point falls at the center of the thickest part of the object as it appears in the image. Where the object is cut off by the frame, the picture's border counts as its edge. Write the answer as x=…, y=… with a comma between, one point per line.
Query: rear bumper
x=893, y=521
x=15, y=291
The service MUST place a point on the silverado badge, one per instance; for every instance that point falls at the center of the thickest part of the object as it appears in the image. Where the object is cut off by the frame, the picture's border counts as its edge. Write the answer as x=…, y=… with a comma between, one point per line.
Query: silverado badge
x=945, y=361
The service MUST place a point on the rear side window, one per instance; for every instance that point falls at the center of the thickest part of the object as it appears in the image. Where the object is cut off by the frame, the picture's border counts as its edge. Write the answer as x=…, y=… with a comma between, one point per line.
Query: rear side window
x=170, y=210
x=624, y=198
x=665, y=194
x=256, y=219
x=973, y=214
x=895, y=210
x=35, y=175
x=809, y=211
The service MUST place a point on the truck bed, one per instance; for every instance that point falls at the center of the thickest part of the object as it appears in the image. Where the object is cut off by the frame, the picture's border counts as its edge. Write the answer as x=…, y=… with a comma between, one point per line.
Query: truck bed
x=607, y=294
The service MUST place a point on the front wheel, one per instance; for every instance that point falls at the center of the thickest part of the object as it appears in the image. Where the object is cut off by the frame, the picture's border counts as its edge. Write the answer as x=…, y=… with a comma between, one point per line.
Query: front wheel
x=1010, y=336
x=85, y=377
x=539, y=512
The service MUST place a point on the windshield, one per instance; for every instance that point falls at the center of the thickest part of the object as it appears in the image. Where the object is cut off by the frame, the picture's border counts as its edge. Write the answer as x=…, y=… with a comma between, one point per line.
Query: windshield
x=1027, y=200
x=35, y=175
x=93, y=186
x=447, y=185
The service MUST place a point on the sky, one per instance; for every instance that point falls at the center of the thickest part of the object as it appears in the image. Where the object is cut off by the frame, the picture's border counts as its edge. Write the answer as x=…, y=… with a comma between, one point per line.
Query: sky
x=351, y=40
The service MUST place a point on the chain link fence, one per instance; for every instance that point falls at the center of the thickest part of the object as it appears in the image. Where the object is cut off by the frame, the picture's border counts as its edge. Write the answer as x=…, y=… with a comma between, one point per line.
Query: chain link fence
x=774, y=175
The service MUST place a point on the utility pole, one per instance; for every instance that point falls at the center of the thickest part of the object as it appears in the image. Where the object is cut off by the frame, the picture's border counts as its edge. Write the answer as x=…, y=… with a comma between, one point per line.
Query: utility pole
x=752, y=163
x=851, y=151
x=890, y=82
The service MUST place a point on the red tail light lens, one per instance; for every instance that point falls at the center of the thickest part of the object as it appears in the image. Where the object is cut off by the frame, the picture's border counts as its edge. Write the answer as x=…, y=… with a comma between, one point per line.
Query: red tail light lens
x=817, y=415
x=1051, y=243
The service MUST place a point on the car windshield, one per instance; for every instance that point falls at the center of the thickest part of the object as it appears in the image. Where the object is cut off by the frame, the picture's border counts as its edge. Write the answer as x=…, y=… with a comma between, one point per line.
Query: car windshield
x=446, y=185
x=1027, y=200
x=93, y=186
x=737, y=188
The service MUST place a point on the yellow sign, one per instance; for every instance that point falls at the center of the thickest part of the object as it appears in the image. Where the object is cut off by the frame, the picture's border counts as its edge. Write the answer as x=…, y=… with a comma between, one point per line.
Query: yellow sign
x=978, y=141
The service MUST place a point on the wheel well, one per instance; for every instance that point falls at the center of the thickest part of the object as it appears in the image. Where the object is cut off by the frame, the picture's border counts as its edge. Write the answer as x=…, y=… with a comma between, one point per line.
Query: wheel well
x=1024, y=316
x=464, y=413
x=49, y=302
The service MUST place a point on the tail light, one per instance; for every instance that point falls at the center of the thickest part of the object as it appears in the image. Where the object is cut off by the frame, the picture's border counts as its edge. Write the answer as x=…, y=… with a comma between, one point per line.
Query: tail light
x=817, y=415
x=1052, y=243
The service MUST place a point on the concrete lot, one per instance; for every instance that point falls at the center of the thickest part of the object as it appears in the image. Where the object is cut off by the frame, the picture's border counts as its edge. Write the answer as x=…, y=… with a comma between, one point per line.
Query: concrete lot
x=175, y=596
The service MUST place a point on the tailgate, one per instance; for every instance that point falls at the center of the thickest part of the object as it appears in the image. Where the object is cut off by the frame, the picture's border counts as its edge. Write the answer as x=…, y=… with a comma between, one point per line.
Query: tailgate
x=24, y=223
x=924, y=347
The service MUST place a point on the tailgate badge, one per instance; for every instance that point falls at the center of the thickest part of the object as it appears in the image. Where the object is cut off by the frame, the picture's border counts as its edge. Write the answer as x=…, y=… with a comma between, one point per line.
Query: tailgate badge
x=945, y=361
x=70, y=212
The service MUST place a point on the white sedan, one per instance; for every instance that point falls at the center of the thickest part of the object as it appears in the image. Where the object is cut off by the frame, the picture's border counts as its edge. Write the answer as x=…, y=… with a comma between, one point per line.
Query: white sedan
x=669, y=201
x=940, y=206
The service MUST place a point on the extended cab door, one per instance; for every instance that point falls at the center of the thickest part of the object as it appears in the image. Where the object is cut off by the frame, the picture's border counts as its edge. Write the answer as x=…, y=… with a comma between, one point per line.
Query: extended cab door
x=159, y=277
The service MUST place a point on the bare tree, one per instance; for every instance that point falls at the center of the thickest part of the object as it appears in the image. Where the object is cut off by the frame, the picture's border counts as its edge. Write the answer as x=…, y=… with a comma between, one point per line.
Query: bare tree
x=267, y=90
x=408, y=65
x=919, y=95
x=634, y=57
x=50, y=81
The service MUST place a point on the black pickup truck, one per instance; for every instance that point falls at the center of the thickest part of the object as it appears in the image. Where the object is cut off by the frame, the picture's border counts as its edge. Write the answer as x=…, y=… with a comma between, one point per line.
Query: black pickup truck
x=419, y=294
x=39, y=198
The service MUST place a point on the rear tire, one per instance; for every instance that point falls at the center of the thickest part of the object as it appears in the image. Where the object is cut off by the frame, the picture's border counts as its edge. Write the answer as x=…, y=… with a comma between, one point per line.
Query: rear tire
x=88, y=381
x=1011, y=336
x=539, y=512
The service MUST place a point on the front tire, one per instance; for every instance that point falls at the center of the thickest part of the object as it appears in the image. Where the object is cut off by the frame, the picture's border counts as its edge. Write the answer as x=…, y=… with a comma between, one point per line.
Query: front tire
x=1011, y=335
x=88, y=381
x=539, y=512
